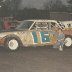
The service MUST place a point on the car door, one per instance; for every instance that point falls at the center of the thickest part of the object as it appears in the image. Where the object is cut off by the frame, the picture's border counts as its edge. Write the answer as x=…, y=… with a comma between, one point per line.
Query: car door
x=41, y=35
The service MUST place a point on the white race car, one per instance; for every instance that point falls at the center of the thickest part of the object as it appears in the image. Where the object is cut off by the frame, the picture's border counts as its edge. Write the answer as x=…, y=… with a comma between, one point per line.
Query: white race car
x=30, y=33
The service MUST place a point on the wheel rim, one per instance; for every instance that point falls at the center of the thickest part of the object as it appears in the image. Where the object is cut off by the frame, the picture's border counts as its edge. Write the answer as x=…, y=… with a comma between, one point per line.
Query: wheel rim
x=13, y=44
x=68, y=41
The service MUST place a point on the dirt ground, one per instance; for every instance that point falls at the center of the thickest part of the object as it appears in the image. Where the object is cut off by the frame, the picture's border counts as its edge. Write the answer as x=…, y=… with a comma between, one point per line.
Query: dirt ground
x=36, y=59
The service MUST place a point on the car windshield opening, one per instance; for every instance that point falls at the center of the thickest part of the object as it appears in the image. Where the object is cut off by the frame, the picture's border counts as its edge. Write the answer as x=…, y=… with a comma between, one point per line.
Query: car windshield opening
x=24, y=25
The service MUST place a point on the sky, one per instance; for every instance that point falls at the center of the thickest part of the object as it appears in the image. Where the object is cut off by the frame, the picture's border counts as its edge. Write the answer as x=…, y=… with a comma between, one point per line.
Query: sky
x=35, y=3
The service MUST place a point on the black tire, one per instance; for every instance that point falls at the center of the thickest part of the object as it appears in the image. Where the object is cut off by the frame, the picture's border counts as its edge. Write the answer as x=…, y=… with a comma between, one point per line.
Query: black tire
x=12, y=43
x=68, y=40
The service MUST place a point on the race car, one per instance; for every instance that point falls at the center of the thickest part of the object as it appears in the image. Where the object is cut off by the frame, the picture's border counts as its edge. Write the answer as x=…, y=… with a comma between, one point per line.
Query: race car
x=30, y=33
x=68, y=32
x=68, y=24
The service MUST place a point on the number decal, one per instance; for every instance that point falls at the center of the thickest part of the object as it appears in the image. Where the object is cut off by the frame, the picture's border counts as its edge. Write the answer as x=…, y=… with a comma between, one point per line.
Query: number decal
x=44, y=36
x=35, y=38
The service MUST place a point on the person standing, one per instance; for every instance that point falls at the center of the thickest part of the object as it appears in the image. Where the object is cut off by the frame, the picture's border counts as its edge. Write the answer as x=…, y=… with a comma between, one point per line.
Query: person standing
x=6, y=24
x=60, y=40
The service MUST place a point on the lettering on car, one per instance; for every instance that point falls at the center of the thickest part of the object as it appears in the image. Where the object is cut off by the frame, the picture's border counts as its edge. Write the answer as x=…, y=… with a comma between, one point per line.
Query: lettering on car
x=44, y=37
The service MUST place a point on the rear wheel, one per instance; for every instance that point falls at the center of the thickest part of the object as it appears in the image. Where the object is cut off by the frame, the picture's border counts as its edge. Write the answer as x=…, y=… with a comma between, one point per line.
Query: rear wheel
x=68, y=41
x=12, y=44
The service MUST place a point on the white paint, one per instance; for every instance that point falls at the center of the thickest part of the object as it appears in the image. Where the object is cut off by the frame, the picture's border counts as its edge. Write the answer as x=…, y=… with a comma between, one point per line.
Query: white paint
x=3, y=35
x=13, y=44
x=60, y=48
x=68, y=41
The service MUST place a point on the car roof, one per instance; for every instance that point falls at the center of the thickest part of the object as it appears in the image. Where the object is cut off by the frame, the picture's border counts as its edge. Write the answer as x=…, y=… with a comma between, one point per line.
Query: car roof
x=42, y=20
x=67, y=22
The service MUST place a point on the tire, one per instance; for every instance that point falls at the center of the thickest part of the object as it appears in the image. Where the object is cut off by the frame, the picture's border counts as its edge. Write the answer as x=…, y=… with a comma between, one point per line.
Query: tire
x=12, y=44
x=68, y=40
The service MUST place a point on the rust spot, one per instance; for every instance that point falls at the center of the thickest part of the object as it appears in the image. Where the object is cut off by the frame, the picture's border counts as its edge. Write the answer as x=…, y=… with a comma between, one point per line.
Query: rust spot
x=68, y=32
x=2, y=41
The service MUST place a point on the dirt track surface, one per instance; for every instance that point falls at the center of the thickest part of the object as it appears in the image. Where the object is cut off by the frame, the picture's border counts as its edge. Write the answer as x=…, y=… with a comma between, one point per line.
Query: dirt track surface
x=36, y=59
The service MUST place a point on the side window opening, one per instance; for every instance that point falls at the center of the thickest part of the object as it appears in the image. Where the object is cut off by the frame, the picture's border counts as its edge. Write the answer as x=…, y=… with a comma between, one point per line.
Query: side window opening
x=53, y=26
x=42, y=26
x=33, y=27
x=69, y=25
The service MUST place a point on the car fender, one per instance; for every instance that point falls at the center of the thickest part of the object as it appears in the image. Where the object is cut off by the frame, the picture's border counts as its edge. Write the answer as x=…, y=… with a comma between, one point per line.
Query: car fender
x=13, y=36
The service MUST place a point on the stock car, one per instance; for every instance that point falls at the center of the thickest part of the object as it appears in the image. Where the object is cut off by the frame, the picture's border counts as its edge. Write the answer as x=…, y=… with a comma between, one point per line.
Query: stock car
x=67, y=24
x=68, y=32
x=30, y=33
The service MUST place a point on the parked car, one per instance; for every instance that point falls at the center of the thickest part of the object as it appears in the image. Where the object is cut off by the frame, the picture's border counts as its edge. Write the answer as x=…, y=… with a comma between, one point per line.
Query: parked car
x=68, y=24
x=31, y=33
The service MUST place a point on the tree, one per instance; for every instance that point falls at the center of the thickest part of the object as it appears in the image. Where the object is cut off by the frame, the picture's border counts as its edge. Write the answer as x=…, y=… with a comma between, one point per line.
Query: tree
x=70, y=6
x=70, y=1
x=14, y=6
x=55, y=6
x=4, y=8
x=9, y=6
x=48, y=4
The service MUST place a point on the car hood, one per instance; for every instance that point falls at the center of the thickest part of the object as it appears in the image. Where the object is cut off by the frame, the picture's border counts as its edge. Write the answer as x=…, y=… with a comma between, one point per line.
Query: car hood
x=14, y=32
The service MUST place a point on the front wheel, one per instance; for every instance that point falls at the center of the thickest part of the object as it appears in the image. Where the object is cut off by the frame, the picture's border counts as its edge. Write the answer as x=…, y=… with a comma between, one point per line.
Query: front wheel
x=68, y=41
x=12, y=43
